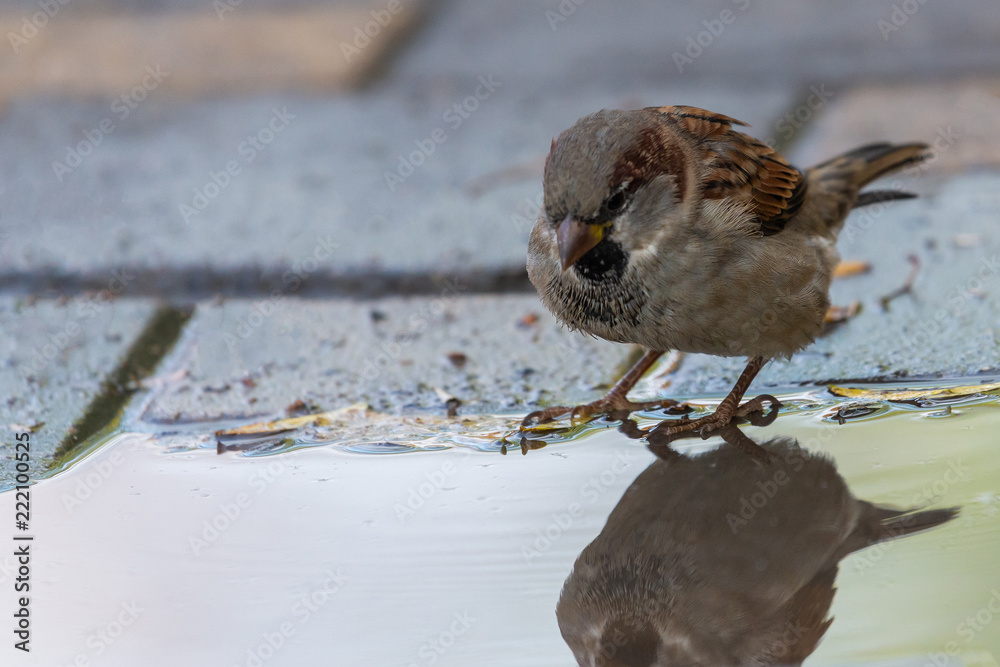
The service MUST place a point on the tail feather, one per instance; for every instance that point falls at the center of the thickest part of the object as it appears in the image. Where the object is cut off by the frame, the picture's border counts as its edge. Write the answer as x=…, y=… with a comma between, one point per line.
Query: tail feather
x=839, y=179
x=879, y=196
x=880, y=524
x=863, y=165
x=899, y=524
x=888, y=158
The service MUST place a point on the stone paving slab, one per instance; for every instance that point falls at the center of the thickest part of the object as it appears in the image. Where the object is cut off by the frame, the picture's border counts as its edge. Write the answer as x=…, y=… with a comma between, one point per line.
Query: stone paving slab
x=565, y=46
x=960, y=120
x=54, y=356
x=219, y=48
x=293, y=183
x=243, y=358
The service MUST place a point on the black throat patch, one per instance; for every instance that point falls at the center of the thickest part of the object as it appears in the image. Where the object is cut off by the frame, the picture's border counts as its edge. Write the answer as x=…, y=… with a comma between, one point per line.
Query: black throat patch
x=605, y=261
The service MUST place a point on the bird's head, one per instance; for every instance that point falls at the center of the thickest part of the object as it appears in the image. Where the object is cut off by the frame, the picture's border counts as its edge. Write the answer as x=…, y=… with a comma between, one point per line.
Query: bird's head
x=612, y=181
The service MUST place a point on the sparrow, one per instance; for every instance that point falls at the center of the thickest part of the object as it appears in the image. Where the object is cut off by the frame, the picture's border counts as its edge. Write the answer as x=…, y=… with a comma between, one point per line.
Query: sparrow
x=666, y=228
x=719, y=559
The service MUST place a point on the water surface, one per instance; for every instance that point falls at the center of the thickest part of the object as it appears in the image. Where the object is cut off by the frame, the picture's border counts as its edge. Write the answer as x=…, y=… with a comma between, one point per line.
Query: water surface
x=157, y=549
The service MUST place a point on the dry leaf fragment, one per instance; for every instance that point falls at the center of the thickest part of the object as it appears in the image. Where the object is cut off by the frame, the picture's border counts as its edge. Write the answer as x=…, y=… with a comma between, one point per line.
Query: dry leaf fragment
x=851, y=268
x=838, y=314
x=279, y=426
x=911, y=394
x=529, y=320
x=966, y=240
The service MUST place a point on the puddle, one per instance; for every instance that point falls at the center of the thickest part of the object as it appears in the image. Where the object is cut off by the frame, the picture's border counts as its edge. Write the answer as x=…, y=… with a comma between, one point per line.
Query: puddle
x=158, y=549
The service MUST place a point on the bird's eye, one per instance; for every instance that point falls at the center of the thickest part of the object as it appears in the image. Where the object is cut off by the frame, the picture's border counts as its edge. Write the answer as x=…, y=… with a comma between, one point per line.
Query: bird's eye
x=615, y=202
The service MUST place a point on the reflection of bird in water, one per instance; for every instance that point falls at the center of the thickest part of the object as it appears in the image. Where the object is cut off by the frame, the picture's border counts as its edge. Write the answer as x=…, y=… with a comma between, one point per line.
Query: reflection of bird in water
x=722, y=560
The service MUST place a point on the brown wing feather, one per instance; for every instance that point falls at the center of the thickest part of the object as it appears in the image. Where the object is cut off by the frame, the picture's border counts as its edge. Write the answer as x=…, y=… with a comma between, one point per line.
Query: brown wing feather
x=742, y=168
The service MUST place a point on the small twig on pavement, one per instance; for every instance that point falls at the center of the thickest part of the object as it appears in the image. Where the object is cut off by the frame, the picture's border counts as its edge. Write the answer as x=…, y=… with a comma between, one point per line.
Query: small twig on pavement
x=907, y=287
x=513, y=174
x=451, y=403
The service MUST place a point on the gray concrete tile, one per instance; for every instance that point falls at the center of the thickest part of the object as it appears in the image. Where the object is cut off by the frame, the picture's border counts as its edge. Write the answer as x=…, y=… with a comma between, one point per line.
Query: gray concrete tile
x=571, y=45
x=243, y=358
x=960, y=120
x=311, y=197
x=54, y=356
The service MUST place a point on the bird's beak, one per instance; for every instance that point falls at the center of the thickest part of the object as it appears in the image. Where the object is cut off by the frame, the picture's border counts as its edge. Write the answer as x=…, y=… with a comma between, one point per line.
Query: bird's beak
x=575, y=238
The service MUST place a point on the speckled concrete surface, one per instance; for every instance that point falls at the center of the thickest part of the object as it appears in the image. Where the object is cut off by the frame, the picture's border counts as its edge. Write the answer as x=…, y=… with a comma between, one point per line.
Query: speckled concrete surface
x=316, y=199
x=53, y=358
x=567, y=46
x=236, y=360
x=960, y=120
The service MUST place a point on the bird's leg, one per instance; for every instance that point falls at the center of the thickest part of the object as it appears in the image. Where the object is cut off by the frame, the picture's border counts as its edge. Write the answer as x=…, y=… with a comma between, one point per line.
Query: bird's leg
x=615, y=400
x=723, y=414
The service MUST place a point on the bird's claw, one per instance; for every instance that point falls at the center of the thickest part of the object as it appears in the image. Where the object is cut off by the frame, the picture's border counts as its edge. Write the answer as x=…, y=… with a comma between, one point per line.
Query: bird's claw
x=752, y=411
x=542, y=416
x=614, y=406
